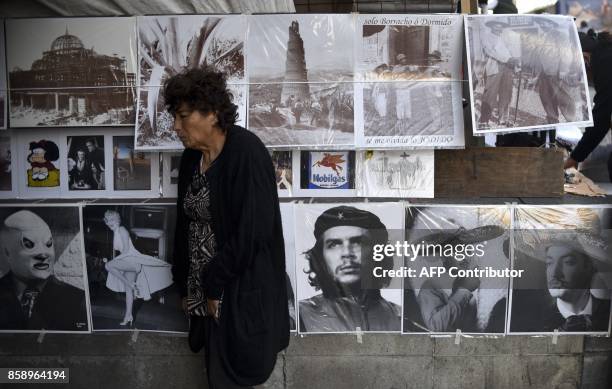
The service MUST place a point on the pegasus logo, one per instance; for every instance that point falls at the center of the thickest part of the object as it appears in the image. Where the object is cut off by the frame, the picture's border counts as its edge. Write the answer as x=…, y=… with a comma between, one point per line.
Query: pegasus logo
x=331, y=161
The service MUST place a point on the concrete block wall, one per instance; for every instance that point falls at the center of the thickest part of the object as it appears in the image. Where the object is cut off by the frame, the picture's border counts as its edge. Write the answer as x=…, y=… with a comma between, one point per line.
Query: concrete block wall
x=381, y=361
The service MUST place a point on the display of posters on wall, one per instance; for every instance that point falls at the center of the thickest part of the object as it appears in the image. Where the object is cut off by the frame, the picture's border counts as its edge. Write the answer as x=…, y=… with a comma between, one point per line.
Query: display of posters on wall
x=565, y=254
x=289, y=237
x=8, y=170
x=410, y=68
x=3, y=110
x=170, y=165
x=129, y=262
x=42, y=270
x=300, y=85
x=526, y=72
x=283, y=165
x=324, y=173
x=72, y=72
x=456, y=237
x=169, y=44
x=135, y=173
x=396, y=173
x=336, y=291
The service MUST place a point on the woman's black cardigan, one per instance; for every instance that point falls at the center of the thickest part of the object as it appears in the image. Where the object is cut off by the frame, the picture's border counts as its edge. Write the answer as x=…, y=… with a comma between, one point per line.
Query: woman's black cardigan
x=249, y=265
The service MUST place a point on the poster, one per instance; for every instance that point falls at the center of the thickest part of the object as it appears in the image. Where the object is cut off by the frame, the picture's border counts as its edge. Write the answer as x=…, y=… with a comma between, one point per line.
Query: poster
x=72, y=72
x=565, y=253
x=396, y=173
x=42, y=270
x=86, y=163
x=336, y=291
x=171, y=164
x=8, y=183
x=409, y=89
x=38, y=163
x=588, y=14
x=300, y=86
x=129, y=262
x=169, y=44
x=283, y=166
x=3, y=123
x=526, y=72
x=456, y=237
x=135, y=173
x=289, y=237
x=325, y=173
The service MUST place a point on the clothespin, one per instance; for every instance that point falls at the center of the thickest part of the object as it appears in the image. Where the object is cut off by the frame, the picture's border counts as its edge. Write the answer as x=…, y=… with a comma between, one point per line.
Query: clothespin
x=458, y=337
x=311, y=200
x=41, y=336
x=135, y=335
x=555, y=337
x=359, y=334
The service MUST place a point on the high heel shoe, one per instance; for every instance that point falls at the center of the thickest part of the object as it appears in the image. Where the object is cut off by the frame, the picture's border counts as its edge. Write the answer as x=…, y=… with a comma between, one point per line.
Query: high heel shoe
x=127, y=322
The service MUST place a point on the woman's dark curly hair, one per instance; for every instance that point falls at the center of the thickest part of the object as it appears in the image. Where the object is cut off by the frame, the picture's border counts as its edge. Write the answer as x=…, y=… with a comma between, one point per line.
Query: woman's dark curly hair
x=203, y=89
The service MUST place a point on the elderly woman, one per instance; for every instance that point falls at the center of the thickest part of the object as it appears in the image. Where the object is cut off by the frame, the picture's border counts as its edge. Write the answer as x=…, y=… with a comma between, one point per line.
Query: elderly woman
x=136, y=274
x=229, y=257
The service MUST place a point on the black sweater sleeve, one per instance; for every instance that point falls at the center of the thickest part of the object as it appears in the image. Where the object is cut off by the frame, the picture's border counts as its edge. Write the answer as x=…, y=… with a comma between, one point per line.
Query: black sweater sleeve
x=252, y=195
x=180, y=267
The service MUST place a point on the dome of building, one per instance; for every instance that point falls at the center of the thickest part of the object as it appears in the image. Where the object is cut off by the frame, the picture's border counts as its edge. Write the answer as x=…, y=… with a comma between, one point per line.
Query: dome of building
x=66, y=41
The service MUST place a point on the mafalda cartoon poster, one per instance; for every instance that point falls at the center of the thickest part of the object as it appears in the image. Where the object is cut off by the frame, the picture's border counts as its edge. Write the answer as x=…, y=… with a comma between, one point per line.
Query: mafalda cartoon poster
x=42, y=158
x=327, y=173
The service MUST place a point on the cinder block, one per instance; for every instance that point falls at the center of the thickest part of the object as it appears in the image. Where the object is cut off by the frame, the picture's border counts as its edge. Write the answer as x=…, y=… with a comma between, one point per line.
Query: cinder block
x=592, y=343
x=373, y=344
x=161, y=372
x=597, y=371
x=543, y=345
x=96, y=344
x=352, y=372
x=472, y=346
x=151, y=343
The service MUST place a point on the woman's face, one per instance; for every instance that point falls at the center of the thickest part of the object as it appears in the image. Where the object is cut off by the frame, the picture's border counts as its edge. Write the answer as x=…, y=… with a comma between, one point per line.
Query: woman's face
x=193, y=127
x=112, y=223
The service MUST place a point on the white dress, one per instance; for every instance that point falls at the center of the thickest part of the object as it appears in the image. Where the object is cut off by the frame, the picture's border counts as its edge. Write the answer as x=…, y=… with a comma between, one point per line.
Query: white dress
x=154, y=273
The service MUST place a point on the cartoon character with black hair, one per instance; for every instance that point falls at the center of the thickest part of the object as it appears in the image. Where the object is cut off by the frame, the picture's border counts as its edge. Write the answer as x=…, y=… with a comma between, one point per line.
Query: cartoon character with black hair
x=43, y=172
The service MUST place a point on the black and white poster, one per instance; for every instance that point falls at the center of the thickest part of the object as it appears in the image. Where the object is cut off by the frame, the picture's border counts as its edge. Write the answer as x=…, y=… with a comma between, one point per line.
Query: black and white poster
x=449, y=296
x=526, y=72
x=325, y=173
x=300, y=79
x=72, y=71
x=169, y=44
x=8, y=186
x=409, y=73
x=171, y=164
x=283, y=166
x=289, y=237
x=129, y=260
x=86, y=163
x=566, y=256
x=334, y=255
x=3, y=88
x=42, y=270
x=394, y=173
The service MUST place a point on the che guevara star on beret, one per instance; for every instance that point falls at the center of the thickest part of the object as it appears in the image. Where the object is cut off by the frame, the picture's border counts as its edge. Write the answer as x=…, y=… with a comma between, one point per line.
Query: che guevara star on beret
x=347, y=216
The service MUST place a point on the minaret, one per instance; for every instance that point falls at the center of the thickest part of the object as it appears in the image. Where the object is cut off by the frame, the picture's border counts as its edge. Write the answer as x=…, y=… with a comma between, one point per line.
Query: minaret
x=295, y=68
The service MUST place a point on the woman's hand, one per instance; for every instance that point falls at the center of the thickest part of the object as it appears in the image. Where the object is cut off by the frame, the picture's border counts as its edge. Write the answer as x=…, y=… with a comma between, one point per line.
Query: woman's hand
x=212, y=306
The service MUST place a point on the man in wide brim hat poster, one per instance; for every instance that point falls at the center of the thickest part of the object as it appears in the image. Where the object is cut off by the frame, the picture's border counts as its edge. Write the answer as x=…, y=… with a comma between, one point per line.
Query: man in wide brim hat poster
x=578, y=266
x=448, y=303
